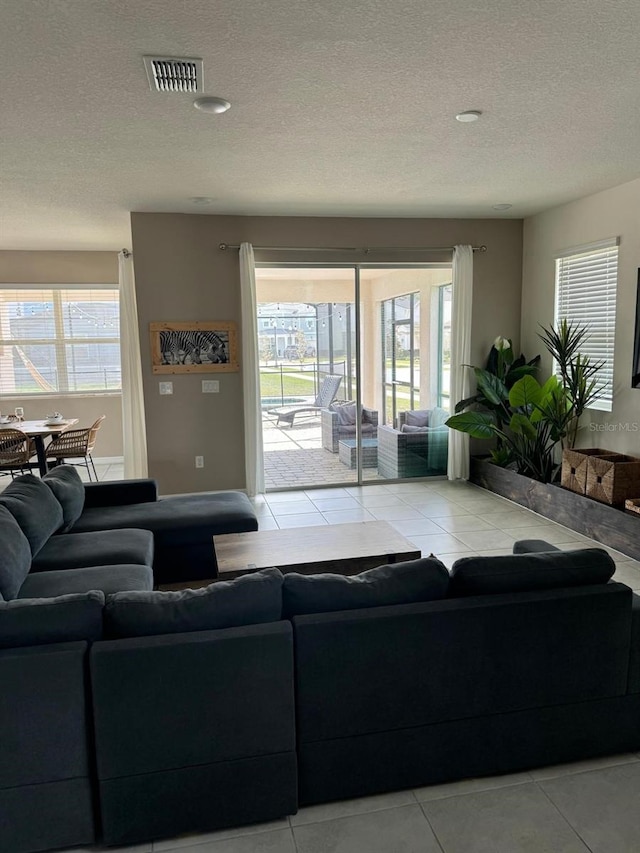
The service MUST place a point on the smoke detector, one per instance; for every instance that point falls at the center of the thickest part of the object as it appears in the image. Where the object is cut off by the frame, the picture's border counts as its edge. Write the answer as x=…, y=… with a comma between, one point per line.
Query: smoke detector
x=174, y=74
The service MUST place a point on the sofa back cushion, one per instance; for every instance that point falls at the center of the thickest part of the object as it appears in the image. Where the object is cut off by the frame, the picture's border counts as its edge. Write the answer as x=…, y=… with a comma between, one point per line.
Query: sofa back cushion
x=65, y=483
x=249, y=600
x=400, y=583
x=34, y=507
x=64, y=619
x=529, y=572
x=417, y=417
x=15, y=556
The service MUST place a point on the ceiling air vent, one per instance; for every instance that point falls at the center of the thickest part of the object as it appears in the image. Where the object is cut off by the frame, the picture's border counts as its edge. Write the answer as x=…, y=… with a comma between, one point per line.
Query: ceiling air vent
x=174, y=74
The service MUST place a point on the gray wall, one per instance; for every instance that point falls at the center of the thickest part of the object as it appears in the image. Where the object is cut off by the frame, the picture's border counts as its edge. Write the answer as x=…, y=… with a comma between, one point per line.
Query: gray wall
x=613, y=212
x=181, y=275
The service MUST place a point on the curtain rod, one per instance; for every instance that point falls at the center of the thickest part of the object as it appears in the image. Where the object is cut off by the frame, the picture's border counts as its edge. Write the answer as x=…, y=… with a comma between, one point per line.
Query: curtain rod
x=224, y=246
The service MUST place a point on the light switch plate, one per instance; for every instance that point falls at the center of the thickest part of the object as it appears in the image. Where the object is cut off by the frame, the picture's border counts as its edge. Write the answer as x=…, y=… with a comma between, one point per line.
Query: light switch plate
x=166, y=387
x=210, y=386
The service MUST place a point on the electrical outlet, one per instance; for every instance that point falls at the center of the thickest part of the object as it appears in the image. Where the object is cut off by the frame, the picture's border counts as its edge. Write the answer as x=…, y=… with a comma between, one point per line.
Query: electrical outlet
x=166, y=387
x=210, y=386
x=199, y=461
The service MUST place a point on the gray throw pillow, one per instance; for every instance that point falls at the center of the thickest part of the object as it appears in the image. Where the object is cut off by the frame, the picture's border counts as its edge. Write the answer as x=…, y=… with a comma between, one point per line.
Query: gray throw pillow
x=417, y=418
x=65, y=483
x=346, y=414
x=64, y=619
x=249, y=600
x=15, y=556
x=34, y=507
x=409, y=428
x=400, y=583
x=529, y=572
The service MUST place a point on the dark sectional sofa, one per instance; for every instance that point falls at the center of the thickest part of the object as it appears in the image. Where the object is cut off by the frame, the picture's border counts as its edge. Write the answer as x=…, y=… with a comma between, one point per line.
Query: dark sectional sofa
x=148, y=714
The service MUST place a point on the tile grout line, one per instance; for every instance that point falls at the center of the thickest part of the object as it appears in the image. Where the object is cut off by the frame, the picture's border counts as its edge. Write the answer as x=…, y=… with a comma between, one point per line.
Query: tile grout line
x=562, y=815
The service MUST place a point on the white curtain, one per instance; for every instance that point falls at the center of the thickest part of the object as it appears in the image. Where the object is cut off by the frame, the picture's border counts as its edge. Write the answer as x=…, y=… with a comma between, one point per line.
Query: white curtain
x=134, y=428
x=253, y=453
x=462, y=294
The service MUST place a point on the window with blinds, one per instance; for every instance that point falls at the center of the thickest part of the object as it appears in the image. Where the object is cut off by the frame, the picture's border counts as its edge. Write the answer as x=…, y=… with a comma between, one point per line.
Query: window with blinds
x=60, y=340
x=586, y=284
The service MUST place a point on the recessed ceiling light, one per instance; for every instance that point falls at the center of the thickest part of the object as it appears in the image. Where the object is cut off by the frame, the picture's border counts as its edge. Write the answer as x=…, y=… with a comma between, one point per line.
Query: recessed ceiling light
x=211, y=104
x=201, y=199
x=502, y=206
x=469, y=115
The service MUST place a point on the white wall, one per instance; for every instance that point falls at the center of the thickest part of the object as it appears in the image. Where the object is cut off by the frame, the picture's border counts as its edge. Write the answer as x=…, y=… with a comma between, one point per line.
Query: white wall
x=614, y=212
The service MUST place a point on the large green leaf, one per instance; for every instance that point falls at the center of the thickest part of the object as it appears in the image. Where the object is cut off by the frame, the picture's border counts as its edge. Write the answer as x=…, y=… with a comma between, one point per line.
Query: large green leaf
x=491, y=386
x=525, y=392
x=521, y=425
x=476, y=424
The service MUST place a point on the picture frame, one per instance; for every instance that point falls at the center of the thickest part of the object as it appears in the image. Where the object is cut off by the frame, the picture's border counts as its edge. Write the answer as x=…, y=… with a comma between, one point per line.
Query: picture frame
x=635, y=368
x=209, y=346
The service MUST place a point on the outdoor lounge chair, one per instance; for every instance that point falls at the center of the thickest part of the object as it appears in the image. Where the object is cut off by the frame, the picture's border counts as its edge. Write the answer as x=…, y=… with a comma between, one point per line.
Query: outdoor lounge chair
x=326, y=396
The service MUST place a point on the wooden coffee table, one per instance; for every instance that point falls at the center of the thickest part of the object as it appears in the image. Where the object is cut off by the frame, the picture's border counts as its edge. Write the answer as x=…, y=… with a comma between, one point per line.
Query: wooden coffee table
x=345, y=549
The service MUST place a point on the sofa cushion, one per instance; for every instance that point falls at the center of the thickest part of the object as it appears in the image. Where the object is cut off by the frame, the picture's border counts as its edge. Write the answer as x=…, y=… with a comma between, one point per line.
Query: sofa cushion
x=529, y=572
x=65, y=618
x=417, y=418
x=249, y=600
x=15, y=555
x=176, y=521
x=401, y=583
x=65, y=483
x=34, y=507
x=107, y=579
x=410, y=428
x=101, y=548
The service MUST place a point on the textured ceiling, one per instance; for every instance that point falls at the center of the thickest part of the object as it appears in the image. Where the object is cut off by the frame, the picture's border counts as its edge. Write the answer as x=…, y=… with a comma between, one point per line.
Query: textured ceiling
x=338, y=108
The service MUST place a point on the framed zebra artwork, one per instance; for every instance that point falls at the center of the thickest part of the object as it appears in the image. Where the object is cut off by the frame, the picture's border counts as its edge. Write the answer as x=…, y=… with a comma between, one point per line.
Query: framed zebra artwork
x=205, y=347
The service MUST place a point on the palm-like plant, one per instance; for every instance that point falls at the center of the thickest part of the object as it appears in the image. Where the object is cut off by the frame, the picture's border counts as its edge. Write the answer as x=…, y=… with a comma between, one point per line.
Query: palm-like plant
x=577, y=372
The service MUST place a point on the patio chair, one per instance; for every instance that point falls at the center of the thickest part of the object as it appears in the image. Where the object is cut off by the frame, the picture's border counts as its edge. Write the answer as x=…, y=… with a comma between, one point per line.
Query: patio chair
x=76, y=444
x=339, y=422
x=326, y=396
x=16, y=449
x=417, y=449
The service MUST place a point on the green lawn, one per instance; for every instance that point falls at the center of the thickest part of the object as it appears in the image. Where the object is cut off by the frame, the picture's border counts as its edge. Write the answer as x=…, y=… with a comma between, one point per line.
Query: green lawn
x=286, y=384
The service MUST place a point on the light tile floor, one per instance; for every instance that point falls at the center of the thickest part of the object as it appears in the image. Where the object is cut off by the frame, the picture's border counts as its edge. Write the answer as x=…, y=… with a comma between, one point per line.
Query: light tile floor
x=576, y=808
x=107, y=468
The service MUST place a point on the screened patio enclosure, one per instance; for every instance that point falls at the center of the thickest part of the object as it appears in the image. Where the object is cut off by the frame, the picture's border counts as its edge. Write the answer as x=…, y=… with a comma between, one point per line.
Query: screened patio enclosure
x=384, y=330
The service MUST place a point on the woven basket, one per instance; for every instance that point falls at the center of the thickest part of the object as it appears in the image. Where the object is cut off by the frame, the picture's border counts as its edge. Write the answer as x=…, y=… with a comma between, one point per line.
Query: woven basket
x=632, y=505
x=574, y=468
x=612, y=478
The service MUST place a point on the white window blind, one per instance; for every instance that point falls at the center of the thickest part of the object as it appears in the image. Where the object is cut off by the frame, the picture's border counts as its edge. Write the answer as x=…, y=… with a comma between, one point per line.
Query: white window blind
x=59, y=340
x=586, y=284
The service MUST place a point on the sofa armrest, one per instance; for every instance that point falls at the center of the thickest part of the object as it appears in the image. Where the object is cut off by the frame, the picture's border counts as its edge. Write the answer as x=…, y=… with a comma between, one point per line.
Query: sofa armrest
x=329, y=429
x=119, y=492
x=370, y=416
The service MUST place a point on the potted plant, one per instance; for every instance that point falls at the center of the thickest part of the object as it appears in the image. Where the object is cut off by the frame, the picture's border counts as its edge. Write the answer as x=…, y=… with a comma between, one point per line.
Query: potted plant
x=530, y=421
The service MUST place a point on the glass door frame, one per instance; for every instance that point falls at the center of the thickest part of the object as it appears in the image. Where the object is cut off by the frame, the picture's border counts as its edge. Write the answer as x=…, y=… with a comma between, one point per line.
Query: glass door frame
x=356, y=267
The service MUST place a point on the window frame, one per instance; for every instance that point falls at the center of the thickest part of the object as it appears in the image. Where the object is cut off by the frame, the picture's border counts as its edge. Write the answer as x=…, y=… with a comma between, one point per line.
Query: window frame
x=576, y=274
x=60, y=341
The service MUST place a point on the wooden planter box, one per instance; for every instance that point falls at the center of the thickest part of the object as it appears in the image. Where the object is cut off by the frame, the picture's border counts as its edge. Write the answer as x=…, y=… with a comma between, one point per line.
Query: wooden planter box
x=605, y=524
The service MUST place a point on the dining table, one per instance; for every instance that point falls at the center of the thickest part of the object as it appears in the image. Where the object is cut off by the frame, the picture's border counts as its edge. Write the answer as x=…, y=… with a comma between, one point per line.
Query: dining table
x=38, y=431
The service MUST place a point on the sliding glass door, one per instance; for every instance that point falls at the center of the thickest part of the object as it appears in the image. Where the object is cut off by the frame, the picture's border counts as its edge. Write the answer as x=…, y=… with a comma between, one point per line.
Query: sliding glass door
x=344, y=352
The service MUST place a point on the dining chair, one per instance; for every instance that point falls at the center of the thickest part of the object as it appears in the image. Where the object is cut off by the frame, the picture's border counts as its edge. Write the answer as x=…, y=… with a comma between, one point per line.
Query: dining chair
x=76, y=444
x=16, y=449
